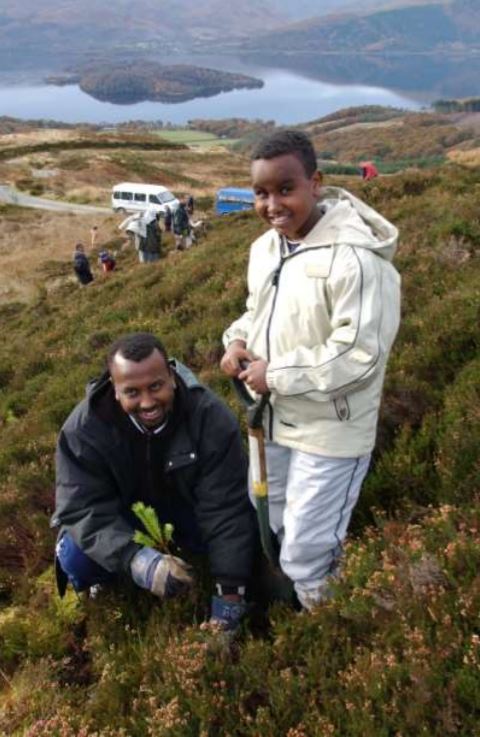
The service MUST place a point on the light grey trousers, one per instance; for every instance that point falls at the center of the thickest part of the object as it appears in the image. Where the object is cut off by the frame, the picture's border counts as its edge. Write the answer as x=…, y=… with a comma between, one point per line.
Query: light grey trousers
x=311, y=499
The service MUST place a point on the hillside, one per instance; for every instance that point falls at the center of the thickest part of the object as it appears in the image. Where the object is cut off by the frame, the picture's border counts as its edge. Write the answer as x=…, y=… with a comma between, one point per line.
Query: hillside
x=396, y=652
x=435, y=27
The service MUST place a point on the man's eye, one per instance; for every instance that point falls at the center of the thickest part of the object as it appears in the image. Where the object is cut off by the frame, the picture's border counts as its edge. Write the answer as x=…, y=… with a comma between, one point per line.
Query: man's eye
x=130, y=392
x=156, y=386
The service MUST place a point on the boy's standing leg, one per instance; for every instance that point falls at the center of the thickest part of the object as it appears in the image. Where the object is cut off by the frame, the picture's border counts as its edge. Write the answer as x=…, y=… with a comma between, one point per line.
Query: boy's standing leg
x=311, y=499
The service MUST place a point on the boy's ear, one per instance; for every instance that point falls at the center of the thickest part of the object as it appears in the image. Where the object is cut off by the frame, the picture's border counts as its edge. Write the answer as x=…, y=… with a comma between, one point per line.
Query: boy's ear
x=317, y=179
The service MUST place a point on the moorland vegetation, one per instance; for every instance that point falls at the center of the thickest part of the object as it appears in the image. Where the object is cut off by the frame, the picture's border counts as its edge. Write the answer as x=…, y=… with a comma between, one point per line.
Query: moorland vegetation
x=397, y=651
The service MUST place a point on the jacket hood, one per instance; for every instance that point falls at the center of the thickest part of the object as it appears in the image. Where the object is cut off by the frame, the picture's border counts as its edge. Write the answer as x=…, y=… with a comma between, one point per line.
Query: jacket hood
x=349, y=221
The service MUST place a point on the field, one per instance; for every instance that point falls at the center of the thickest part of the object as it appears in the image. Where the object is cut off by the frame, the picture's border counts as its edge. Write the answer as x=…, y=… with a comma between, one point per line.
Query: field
x=396, y=652
x=195, y=138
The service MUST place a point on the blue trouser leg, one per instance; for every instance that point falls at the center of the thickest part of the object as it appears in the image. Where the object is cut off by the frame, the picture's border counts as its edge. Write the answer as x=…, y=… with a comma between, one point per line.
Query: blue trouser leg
x=81, y=571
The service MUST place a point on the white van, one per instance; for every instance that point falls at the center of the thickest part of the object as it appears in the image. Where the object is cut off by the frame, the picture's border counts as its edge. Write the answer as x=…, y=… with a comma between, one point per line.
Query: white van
x=134, y=197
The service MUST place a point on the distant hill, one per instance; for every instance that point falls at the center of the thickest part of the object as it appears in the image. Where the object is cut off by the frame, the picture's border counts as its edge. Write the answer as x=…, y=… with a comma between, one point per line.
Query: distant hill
x=38, y=32
x=56, y=32
x=426, y=27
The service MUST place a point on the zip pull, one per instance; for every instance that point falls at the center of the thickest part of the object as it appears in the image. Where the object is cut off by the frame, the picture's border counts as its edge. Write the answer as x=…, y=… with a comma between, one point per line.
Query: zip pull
x=276, y=273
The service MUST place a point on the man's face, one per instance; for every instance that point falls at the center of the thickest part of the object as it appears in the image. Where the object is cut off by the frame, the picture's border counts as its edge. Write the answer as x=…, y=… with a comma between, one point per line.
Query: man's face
x=144, y=389
x=285, y=196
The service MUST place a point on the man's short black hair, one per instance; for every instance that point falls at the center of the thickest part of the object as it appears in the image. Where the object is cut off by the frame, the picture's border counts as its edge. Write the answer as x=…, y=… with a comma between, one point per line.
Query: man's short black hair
x=287, y=141
x=136, y=347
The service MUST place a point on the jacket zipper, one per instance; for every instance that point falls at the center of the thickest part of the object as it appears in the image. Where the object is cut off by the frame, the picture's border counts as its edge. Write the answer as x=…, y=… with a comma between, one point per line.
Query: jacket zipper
x=148, y=457
x=275, y=282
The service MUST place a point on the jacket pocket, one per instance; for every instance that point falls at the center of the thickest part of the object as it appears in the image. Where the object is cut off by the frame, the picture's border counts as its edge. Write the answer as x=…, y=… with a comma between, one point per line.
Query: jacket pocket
x=342, y=408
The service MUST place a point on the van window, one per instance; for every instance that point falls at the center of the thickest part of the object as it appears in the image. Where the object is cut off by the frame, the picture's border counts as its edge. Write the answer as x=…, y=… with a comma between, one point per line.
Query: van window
x=166, y=197
x=161, y=198
x=123, y=196
x=138, y=197
x=117, y=195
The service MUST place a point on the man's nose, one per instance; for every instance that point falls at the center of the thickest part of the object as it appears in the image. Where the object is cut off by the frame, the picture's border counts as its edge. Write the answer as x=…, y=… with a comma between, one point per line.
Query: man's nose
x=146, y=399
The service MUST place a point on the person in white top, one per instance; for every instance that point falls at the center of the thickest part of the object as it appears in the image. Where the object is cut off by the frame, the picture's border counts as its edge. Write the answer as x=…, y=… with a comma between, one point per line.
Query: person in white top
x=322, y=313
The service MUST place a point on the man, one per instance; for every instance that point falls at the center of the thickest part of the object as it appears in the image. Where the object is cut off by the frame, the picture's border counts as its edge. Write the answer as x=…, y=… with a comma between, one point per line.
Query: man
x=181, y=227
x=81, y=265
x=148, y=431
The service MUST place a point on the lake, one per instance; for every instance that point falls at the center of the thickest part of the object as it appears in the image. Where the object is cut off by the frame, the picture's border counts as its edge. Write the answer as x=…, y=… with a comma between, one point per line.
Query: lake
x=287, y=97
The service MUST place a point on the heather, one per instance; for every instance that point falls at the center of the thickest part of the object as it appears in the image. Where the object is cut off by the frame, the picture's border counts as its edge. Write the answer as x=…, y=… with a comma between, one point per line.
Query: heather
x=396, y=652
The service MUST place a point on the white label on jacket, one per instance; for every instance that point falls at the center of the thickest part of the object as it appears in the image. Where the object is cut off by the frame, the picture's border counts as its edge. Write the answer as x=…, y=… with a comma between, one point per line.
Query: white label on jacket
x=317, y=270
x=361, y=356
x=254, y=452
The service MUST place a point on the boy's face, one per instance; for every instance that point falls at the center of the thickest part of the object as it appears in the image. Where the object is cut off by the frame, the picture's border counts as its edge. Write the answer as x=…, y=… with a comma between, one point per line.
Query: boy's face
x=285, y=196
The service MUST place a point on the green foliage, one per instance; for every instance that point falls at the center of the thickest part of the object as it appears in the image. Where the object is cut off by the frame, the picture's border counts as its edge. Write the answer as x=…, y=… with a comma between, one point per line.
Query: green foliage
x=396, y=651
x=156, y=535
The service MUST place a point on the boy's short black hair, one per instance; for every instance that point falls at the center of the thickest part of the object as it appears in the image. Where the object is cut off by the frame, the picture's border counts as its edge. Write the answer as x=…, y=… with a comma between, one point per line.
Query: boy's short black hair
x=136, y=347
x=287, y=141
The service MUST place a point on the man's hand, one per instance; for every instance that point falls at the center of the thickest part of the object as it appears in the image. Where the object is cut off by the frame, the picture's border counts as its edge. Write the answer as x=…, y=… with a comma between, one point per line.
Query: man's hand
x=163, y=575
x=255, y=376
x=226, y=614
x=235, y=353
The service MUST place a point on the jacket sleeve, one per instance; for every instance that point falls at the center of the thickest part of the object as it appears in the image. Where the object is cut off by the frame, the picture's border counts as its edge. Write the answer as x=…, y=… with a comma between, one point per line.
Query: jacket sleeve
x=88, y=504
x=224, y=513
x=364, y=320
x=240, y=329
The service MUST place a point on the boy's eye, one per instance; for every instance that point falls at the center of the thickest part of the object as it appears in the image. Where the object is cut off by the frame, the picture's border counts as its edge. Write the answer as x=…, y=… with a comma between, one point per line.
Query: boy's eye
x=285, y=189
x=259, y=193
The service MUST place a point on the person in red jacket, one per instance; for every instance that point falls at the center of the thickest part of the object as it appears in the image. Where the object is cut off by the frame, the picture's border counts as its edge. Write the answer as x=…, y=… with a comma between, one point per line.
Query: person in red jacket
x=369, y=170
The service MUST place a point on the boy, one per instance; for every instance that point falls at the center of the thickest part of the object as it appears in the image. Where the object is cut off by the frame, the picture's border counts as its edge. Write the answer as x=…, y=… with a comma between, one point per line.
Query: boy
x=322, y=313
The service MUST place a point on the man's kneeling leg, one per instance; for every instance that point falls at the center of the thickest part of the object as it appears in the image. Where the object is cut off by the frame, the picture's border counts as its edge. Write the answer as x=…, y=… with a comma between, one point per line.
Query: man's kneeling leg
x=73, y=566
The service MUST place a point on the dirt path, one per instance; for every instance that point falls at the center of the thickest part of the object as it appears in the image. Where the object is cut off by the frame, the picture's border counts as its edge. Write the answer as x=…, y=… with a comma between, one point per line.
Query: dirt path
x=13, y=196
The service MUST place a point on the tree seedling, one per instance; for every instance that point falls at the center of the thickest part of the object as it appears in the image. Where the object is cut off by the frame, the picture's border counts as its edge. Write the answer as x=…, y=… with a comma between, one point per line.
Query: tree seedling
x=157, y=535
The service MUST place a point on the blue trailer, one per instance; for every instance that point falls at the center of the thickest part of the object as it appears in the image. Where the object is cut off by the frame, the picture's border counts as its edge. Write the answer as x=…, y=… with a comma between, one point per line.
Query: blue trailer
x=233, y=199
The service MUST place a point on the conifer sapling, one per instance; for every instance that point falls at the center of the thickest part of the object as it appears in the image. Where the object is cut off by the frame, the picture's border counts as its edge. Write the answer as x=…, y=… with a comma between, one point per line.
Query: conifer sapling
x=157, y=535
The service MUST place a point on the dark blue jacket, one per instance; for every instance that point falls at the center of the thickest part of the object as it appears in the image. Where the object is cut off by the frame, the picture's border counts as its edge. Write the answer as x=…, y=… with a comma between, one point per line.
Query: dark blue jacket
x=204, y=462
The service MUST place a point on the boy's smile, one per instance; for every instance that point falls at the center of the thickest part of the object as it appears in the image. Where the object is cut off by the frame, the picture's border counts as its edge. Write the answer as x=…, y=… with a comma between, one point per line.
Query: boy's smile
x=285, y=196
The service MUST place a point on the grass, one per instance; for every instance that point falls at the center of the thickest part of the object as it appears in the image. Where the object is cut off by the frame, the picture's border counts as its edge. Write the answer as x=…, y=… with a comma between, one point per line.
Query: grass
x=197, y=138
x=397, y=650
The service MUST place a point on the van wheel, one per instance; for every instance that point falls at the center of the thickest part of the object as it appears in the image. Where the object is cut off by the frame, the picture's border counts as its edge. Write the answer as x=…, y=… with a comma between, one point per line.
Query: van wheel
x=120, y=210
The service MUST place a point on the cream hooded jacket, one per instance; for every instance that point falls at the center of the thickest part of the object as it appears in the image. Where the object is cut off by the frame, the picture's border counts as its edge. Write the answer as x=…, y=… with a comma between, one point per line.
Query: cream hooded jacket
x=324, y=318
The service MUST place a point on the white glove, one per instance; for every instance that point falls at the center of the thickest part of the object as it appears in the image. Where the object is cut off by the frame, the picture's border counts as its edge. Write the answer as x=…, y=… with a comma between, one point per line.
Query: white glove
x=163, y=575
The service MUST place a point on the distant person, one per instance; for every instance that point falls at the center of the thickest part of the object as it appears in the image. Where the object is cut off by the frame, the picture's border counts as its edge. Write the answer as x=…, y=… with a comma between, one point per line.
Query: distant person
x=107, y=261
x=322, y=313
x=93, y=236
x=368, y=170
x=181, y=227
x=81, y=265
x=167, y=219
x=190, y=205
x=148, y=431
x=146, y=234
x=151, y=246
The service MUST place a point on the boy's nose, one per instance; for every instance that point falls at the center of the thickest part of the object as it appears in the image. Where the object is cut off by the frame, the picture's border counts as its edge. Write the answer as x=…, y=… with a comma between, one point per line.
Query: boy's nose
x=274, y=203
